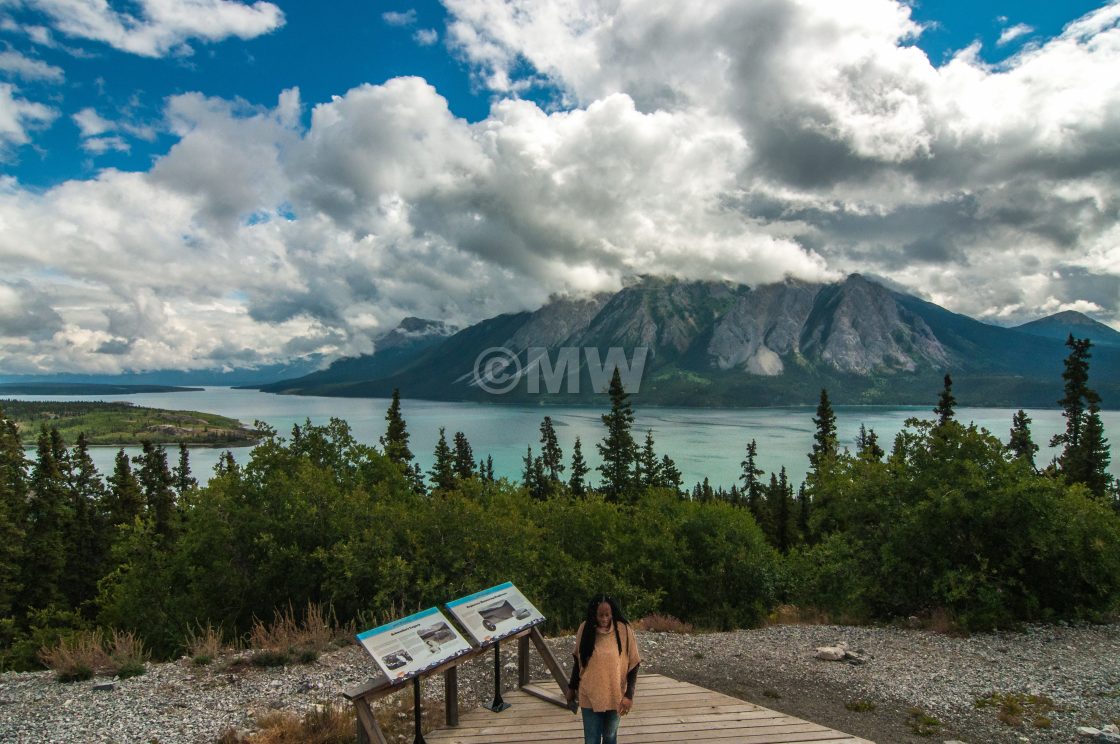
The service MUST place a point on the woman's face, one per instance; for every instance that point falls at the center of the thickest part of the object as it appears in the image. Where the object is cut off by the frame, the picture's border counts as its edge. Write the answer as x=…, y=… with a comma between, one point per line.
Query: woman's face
x=603, y=615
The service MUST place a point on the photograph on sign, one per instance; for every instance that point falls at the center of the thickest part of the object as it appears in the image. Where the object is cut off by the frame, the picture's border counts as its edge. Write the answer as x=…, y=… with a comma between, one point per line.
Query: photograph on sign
x=412, y=645
x=495, y=613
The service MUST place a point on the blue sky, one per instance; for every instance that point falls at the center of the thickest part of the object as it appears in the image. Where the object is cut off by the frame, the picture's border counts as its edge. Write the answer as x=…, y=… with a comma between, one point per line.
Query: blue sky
x=200, y=183
x=327, y=48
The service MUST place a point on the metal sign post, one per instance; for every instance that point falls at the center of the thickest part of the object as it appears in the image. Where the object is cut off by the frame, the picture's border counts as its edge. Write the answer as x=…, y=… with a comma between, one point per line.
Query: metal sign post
x=498, y=705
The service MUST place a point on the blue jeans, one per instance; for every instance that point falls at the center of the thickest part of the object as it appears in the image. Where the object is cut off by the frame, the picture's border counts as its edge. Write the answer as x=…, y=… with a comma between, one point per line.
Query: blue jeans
x=600, y=728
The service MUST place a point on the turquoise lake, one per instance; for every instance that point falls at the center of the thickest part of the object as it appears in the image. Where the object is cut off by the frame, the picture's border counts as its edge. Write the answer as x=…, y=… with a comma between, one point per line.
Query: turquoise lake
x=703, y=442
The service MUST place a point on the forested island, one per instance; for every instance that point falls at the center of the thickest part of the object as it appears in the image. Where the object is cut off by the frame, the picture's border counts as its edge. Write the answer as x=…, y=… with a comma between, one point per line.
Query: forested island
x=948, y=521
x=112, y=423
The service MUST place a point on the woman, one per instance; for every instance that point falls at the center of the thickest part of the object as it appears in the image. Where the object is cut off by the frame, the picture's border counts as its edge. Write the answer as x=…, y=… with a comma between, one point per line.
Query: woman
x=605, y=670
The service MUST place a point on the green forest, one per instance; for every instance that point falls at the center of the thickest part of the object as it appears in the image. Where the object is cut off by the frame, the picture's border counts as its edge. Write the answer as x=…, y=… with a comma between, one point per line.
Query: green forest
x=105, y=423
x=947, y=519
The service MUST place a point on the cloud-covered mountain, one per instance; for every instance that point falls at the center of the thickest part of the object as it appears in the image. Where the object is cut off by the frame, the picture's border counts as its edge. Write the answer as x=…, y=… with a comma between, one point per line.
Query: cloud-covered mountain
x=396, y=350
x=719, y=343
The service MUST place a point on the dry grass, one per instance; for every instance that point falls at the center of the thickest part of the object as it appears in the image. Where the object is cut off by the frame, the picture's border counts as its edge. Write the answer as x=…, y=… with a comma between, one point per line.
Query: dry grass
x=788, y=614
x=395, y=717
x=942, y=621
x=287, y=638
x=204, y=643
x=127, y=655
x=327, y=724
x=77, y=657
x=337, y=724
x=658, y=623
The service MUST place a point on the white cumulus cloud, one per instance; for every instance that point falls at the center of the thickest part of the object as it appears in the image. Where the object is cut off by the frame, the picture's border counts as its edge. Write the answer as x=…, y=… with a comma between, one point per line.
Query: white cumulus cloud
x=154, y=28
x=15, y=64
x=18, y=116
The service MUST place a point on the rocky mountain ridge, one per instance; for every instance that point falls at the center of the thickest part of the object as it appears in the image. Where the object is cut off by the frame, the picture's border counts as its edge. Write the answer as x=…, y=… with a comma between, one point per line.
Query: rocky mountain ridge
x=720, y=343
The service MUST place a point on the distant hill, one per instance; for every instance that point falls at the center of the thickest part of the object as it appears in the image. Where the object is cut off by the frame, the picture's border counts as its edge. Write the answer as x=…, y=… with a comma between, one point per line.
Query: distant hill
x=726, y=344
x=1061, y=325
x=243, y=377
x=395, y=351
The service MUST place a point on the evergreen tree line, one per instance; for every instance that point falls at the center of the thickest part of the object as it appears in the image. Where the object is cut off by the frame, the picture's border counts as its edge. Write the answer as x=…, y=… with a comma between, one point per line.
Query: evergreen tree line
x=951, y=518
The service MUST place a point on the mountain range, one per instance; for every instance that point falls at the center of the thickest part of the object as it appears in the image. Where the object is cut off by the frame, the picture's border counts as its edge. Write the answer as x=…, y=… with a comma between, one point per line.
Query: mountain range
x=724, y=344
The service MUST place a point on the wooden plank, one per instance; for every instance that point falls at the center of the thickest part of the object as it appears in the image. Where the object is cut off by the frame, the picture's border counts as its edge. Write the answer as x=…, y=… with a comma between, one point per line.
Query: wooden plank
x=670, y=711
x=549, y=660
x=451, y=696
x=367, y=724
x=522, y=661
x=547, y=696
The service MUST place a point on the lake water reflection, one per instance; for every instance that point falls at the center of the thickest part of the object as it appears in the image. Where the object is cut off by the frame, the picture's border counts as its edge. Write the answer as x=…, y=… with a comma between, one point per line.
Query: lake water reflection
x=703, y=442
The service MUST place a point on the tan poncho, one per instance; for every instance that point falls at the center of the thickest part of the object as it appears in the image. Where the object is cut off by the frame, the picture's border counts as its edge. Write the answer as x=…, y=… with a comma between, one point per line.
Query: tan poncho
x=603, y=681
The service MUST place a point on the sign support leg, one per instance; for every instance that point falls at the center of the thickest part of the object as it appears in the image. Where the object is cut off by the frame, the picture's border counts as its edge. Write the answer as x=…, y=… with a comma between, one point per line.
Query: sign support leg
x=498, y=705
x=416, y=709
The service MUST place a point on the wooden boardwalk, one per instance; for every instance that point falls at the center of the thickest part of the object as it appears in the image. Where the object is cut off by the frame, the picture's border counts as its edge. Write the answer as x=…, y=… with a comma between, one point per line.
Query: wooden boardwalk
x=665, y=710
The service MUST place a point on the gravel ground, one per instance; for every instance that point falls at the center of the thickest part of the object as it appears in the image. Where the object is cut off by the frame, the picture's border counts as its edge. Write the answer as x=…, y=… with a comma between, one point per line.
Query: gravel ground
x=1078, y=668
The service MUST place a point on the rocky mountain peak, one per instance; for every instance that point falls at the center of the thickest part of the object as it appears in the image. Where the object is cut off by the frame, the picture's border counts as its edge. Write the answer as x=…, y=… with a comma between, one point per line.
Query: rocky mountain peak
x=859, y=327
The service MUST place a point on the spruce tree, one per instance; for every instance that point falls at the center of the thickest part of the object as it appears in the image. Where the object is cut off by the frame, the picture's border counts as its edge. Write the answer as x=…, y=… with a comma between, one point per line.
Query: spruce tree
x=13, y=507
x=488, y=472
x=1021, y=445
x=822, y=461
x=669, y=474
x=552, y=457
x=544, y=486
x=533, y=475
x=48, y=522
x=124, y=501
x=464, y=457
x=618, y=450
x=804, y=511
x=394, y=443
x=752, y=486
x=13, y=469
x=60, y=453
x=867, y=445
x=779, y=499
x=648, y=473
x=156, y=483
x=825, y=443
x=226, y=465
x=1097, y=454
x=87, y=538
x=945, y=402
x=576, y=482
x=1085, y=456
x=442, y=474
x=415, y=476
x=181, y=473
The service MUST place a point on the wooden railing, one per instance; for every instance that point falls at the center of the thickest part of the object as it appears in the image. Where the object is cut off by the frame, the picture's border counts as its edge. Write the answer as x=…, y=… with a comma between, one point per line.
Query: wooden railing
x=362, y=695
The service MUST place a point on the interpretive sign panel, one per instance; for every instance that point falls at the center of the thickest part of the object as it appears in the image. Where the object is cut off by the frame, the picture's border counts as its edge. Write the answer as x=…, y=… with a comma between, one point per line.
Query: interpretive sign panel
x=496, y=613
x=412, y=645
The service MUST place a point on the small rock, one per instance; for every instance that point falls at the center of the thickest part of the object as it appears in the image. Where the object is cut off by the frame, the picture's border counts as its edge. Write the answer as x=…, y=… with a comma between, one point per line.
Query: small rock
x=1087, y=731
x=104, y=686
x=831, y=653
